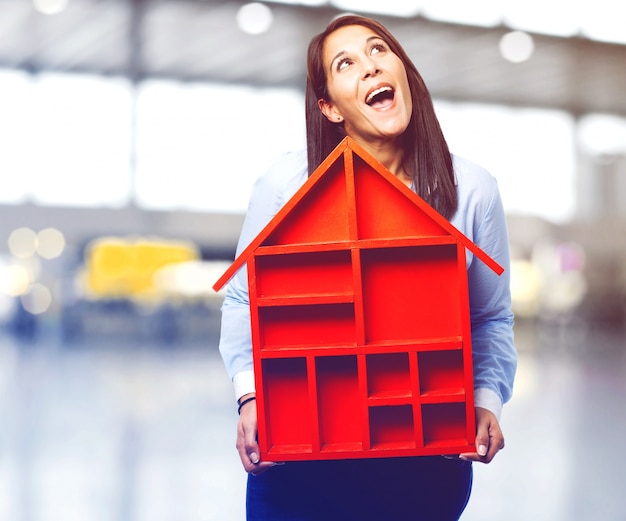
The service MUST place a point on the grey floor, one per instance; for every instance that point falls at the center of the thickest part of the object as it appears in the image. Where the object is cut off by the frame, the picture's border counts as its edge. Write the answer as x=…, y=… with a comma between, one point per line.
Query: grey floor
x=125, y=431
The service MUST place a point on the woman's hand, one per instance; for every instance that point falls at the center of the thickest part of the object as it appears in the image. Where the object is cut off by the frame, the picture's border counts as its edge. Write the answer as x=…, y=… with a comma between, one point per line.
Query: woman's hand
x=489, y=437
x=247, y=445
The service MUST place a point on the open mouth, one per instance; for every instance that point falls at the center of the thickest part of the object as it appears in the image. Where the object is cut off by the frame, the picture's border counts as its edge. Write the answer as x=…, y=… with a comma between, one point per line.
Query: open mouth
x=380, y=97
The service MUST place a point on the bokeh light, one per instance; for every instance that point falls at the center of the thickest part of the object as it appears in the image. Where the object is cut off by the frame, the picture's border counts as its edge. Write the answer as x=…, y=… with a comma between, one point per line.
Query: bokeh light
x=517, y=46
x=190, y=279
x=50, y=243
x=389, y=7
x=526, y=283
x=37, y=299
x=23, y=243
x=254, y=18
x=50, y=6
x=14, y=280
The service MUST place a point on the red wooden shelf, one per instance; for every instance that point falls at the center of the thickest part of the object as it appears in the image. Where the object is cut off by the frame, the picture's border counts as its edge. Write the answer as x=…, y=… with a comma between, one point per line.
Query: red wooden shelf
x=360, y=320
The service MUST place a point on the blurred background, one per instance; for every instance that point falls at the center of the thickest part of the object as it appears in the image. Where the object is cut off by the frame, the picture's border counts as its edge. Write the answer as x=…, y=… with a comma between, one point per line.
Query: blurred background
x=131, y=133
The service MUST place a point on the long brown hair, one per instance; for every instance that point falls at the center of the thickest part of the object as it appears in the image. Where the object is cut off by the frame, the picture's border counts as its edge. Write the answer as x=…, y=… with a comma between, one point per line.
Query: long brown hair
x=425, y=152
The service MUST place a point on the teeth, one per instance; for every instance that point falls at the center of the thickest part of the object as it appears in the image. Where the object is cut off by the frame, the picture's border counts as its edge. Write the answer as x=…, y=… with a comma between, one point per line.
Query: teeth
x=376, y=93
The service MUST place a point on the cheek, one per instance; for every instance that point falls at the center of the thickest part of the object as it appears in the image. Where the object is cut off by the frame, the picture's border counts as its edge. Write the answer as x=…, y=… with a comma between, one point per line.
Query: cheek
x=344, y=92
x=406, y=95
x=409, y=101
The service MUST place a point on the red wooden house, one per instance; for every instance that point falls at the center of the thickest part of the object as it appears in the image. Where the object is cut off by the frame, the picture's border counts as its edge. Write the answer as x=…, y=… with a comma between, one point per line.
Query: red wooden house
x=360, y=319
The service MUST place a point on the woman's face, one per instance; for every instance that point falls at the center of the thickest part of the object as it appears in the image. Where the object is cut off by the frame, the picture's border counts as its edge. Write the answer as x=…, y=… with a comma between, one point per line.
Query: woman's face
x=367, y=85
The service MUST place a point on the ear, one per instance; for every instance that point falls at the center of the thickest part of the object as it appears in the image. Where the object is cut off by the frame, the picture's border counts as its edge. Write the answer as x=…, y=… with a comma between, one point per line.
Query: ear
x=330, y=111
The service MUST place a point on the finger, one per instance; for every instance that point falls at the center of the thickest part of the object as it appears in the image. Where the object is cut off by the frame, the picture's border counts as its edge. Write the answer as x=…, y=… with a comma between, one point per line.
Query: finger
x=263, y=466
x=249, y=466
x=482, y=442
x=243, y=455
x=484, y=448
x=250, y=445
x=496, y=443
x=470, y=456
x=246, y=461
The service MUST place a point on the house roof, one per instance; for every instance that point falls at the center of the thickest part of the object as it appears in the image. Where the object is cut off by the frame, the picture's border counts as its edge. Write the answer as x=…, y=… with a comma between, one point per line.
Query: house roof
x=334, y=216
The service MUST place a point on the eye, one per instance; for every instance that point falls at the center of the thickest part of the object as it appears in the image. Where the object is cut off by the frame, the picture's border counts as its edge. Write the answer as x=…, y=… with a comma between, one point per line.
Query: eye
x=343, y=63
x=377, y=48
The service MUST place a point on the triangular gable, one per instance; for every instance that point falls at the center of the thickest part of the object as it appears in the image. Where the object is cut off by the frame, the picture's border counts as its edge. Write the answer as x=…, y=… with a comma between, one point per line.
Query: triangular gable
x=321, y=215
x=345, y=199
x=385, y=207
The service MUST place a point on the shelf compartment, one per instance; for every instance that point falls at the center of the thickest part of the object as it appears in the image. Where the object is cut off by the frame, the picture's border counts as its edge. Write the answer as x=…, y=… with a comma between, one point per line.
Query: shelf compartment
x=441, y=374
x=335, y=450
x=287, y=409
x=391, y=427
x=444, y=424
x=305, y=326
x=290, y=275
x=337, y=393
x=307, y=300
x=389, y=217
x=320, y=215
x=444, y=396
x=427, y=276
x=410, y=346
x=388, y=376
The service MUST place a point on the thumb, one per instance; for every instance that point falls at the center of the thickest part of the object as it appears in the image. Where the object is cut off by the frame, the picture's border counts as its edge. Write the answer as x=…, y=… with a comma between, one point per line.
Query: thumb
x=251, y=446
x=252, y=450
x=482, y=441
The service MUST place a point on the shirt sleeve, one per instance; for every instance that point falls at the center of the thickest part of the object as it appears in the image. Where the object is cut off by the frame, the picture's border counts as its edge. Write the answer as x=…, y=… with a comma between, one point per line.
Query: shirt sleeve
x=269, y=194
x=493, y=348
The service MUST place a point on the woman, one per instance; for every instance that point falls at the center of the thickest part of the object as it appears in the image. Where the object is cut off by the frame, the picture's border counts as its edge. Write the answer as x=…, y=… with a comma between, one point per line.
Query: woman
x=362, y=84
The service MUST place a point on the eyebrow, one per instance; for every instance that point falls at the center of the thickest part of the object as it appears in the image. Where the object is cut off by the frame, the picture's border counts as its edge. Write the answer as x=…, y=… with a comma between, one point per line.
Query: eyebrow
x=342, y=53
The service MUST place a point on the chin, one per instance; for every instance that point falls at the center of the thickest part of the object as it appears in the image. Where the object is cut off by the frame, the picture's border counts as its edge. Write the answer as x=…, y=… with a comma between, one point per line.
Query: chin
x=393, y=133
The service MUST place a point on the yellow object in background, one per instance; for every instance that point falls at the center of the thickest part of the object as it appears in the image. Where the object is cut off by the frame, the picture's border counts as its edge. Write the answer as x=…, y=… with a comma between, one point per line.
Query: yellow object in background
x=118, y=267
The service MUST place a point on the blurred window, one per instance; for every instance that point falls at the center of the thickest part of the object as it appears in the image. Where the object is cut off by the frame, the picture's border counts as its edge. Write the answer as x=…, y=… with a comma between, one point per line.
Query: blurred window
x=201, y=147
x=66, y=139
x=16, y=125
x=531, y=152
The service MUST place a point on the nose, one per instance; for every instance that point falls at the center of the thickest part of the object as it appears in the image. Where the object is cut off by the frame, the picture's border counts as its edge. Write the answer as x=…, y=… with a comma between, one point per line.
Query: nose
x=370, y=68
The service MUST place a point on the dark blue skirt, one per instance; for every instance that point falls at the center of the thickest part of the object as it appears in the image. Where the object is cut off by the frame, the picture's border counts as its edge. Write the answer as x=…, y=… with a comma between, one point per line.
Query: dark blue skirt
x=387, y=489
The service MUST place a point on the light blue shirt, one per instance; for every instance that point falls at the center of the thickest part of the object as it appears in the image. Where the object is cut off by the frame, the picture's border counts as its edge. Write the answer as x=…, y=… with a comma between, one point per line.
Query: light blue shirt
x=480, y=216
